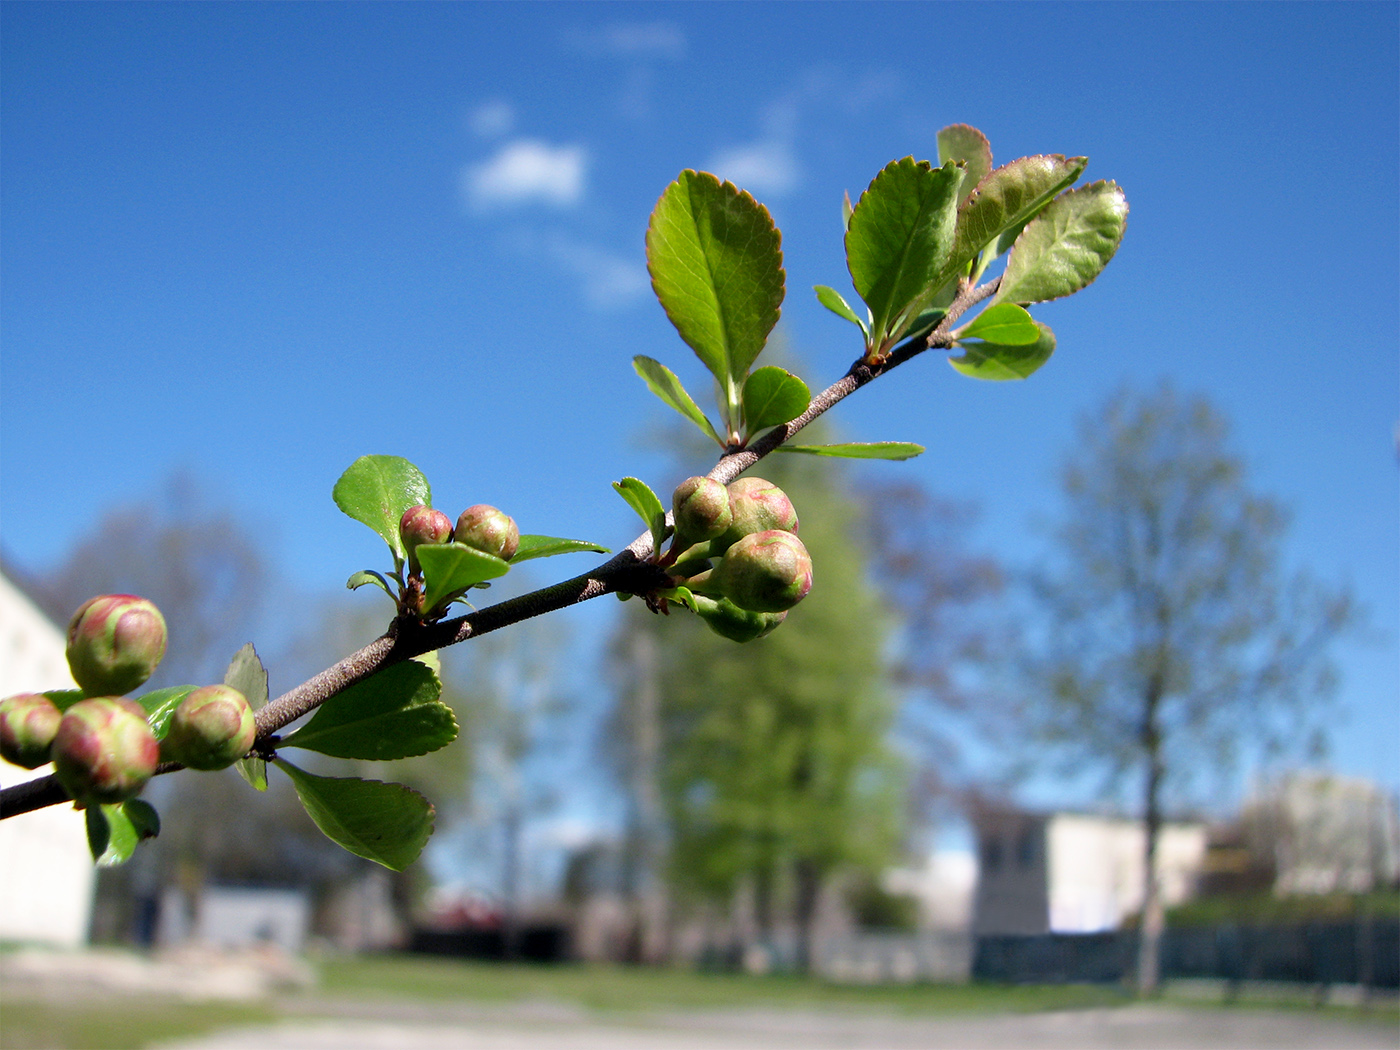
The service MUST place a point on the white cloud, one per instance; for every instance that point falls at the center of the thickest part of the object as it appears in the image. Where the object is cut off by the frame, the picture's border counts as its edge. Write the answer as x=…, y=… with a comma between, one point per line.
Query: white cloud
x=632, y=40
x=526, y=171
x=492, y=119
x=610, y=281
x=760, y=167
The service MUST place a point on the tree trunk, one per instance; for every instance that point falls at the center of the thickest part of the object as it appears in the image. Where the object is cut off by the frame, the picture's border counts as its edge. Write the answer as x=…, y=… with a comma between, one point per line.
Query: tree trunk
x=1153, y=918
x=809, y=886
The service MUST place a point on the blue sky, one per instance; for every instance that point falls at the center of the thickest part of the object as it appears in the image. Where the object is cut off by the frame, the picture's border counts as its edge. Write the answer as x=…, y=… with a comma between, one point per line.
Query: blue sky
x=257, y=241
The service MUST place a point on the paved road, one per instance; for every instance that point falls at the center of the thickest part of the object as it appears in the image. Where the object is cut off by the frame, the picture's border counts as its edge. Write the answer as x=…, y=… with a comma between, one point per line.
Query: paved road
x=1136, y=1027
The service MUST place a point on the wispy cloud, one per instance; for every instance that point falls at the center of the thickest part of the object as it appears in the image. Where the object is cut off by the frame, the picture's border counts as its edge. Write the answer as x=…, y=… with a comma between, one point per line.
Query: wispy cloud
x=492, y=119
x=526, y=172
x=631, y=40
x=610, y=282
x=759, y=167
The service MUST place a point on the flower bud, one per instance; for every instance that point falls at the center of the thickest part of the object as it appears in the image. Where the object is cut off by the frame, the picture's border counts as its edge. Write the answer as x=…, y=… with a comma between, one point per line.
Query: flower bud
x=767, y=571
x=104, y=751
x=28, y=724
x=212, y=728
x=758, y=506
x=738, y=625
x=421, y=525
x=701, y=509
x=115, y=643
x=488, y=529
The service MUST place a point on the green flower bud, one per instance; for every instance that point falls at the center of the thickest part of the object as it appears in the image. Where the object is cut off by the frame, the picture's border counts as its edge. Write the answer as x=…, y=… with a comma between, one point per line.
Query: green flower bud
x=28, y=724
x=738, y=625
x=104, y=751
x=488, y=529
x=115, y=643
x=758, y=506
x=701, y=509
x=421, y=525
x=212, y=728
x=768, y=571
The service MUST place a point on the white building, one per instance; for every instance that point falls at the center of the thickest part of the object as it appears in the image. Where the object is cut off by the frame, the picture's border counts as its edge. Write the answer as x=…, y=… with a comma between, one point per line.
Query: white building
x=1073, y=872
x=46, y=871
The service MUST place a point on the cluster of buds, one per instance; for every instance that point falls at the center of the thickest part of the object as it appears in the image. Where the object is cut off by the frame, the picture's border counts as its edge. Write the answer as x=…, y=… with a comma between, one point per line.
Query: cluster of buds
x=736, y=550
x=481, y=527
x=102, y=747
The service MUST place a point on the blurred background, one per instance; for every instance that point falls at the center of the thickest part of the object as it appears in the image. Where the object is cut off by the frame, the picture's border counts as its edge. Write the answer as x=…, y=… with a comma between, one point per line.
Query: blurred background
x=1154, y=586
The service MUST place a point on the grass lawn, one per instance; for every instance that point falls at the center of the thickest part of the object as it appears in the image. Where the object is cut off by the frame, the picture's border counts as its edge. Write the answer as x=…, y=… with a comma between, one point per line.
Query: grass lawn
x=116, y=1024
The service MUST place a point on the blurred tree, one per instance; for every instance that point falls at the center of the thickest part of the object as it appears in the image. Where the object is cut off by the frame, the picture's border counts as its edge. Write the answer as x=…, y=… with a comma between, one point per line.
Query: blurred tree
x=1172, y=629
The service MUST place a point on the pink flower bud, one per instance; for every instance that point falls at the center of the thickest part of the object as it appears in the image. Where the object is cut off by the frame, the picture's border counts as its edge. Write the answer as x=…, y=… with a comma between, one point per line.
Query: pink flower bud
x=488, y=530
x=115, y=642
x=104, y=752
x=758, y=506
x=768, y=571
x=421, y=525
x=701, y=510
x=28, y=724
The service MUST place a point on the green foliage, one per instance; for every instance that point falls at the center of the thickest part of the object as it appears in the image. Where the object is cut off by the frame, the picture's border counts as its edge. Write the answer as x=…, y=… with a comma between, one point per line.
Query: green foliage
x=452, y=569
x=1005, y=323
x=393, y=714
x=983, y=360
x=969, y=147
x=532, y=546
x=114, y=831
x=160, y=705
x=773, y=396
x=386, y=823
x=377, y=490
x=1066, y=246
x=664, y=384
x=247, y=674
x=647, y=504
x=860, y=449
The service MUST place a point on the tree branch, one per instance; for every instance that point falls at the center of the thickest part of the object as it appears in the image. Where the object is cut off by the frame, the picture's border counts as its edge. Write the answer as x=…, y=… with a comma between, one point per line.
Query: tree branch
x=628, y=572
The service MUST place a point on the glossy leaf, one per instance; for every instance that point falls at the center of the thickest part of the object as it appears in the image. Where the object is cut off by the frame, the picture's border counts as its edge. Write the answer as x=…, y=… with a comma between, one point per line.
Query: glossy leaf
x=63, y=699
x=664, y=383
x=377, y=490
x=965, y=143
x=549, y=546
x=452, y=567
x=773, y=395
x=1004, y=323
x=992, y=361
x=899, y=238
x=1066, y=246
x=393, y=714
x=1007, y=199
x=247, y=674
x=114, y=832
x=836, y=303
x=860, y=450
x=386, y=823
x=364, y=576
x=716, y=265
x=647, y=504
x=160, y=705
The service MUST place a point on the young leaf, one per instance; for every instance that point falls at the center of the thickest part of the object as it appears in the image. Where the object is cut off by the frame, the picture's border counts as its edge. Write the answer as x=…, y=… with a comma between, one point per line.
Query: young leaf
x=393, y=714
x=452, y=567
x=965, y=143
x=247, y=674
x=160, y=705
x=773, y=395
x=860, y=450
x=1066, y=246
x=899, y=239
x=717, y=267
x=365, y=576
x=386, y=823
x=549, y=546
x=377, y=490
x=664, y=384
x=647, y=505
x=1008, y=197
x=992, y=361
x=114, y=831
x=836, y=303
x=846, y=210
x=63, y=699
x=1004, y=323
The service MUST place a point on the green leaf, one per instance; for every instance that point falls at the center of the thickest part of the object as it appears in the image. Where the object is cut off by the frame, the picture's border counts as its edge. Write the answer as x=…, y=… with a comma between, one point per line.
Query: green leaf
x=452, y=567
x=965, y=143
x=898, y=240
x=1066, y=246
x=836, y=303
x=63, y=699
x=1009, y=197
x=773, y=395
x=160, y=705
x=377, y=490
x=664, y=383
x=846, y=210
x=115, y=831
x=247, y=674
x=549, y=546
x=992, y=361
x=1004, y=323
x=392, y=714
x=647, y=505
x=860, y=450
x=365, y=576
x=683, y=596
x=386, y=823
x=716, y=265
